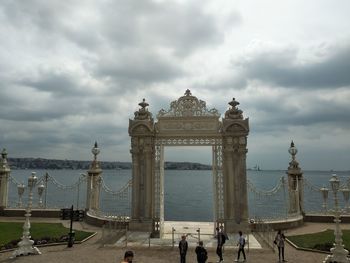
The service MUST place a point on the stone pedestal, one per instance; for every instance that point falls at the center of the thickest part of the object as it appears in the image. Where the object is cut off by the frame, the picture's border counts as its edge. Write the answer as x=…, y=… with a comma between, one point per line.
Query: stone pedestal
x=235, y=131
x=94, y=182
x=141, y=130
x=4, y=179
x=295, y=184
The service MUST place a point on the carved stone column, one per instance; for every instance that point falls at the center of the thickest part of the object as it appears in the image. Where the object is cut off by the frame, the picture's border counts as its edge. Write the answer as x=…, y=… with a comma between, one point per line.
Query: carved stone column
x=234, y=133
x=295, y=184
x=141, y=130
x=94, y=182
x=4, y=178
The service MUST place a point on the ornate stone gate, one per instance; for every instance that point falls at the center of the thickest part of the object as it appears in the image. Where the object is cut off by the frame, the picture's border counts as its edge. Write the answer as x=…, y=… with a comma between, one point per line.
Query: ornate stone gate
x=188, y=122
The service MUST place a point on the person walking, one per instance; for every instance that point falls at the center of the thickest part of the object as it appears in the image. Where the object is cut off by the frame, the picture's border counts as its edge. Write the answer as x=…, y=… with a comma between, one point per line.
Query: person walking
x=279, y=241
x=128, y=257
x=183, y=246
x=201, y=252
x=241, y=244
x=220, y=236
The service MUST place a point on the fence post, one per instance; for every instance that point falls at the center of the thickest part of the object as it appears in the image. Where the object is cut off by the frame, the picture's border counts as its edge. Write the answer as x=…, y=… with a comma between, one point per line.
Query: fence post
x=172, y=236
x=126, y=235
x=248, y=242
x=199, y=234
x=103, y=232
x=45, y=193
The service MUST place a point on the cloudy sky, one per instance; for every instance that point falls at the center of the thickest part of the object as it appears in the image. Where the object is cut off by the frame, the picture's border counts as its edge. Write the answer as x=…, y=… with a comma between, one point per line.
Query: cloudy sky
x=72, y=72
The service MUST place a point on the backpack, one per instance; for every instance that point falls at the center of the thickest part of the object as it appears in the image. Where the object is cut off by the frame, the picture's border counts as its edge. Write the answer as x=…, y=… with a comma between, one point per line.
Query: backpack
x=243, y=242
x=223, y=238
x=203, y=255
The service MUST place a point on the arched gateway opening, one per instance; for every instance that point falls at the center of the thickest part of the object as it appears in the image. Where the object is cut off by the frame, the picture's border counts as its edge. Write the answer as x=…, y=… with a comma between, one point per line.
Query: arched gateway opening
x=188, y=122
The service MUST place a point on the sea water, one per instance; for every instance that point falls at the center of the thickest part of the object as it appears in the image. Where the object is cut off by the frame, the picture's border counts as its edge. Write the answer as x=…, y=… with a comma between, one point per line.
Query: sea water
x=188, y=193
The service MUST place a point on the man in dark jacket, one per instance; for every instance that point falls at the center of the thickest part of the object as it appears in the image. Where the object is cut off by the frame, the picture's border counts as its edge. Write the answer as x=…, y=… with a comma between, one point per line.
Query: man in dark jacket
x=221, y=241
x=183, y=249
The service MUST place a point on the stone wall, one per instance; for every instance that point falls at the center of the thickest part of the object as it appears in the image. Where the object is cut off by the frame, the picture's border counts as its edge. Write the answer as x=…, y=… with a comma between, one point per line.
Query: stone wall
x=48, y=213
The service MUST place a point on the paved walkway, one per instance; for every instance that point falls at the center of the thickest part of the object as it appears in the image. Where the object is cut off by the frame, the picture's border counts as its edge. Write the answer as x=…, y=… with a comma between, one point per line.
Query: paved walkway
x=93, y=251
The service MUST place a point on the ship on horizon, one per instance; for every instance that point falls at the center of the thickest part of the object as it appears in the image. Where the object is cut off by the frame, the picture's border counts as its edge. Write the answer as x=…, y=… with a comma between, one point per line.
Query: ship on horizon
x=256, y=168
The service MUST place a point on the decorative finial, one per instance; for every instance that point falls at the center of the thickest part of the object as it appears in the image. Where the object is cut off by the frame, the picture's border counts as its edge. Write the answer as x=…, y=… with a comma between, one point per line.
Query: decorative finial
x=292, y=150
x=95, y=151
x=143, y=104
x=233, y=103
x=234, y=112
x=188, y=93
x=143, y=113
x=4, y=153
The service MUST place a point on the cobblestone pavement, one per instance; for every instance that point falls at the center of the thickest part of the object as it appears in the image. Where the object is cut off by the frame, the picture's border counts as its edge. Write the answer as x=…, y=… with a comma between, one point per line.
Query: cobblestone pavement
x=92, y=251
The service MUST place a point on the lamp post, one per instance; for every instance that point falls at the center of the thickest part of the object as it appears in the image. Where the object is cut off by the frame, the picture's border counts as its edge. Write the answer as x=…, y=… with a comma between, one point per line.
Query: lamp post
x=71, y=234
x=45, y=196
x=346, y=195
x=20, y=191
x=295, y=183
x=324, y=192
x=41, y=188
x=25, y=246
x=339, y=254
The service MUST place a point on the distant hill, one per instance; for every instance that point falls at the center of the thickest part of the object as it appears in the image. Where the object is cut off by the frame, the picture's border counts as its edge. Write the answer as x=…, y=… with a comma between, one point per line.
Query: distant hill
x=53, y=164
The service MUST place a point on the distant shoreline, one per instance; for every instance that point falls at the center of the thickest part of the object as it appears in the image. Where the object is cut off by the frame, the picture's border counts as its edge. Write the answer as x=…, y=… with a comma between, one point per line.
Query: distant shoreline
x=56, y=164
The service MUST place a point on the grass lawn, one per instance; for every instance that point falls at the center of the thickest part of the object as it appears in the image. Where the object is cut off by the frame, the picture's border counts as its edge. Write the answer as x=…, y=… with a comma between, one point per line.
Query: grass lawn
x=12, y=231
x=321, y=240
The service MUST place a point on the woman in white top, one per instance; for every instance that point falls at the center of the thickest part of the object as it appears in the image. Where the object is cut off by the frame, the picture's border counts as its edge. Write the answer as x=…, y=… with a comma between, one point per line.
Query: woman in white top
x=279, y=241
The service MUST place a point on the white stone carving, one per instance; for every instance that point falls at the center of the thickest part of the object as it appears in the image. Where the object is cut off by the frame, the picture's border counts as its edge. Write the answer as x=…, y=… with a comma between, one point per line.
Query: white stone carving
x=189, y=141
x=188, y=122
x=187, y=106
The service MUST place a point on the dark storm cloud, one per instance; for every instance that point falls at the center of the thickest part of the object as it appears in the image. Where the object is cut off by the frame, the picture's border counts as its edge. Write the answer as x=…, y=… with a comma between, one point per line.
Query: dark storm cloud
x=268, y=114
x=124, y=43
x=73, y=72
x=16, y=106
x=282, y=68
x=25, y=114
x=41, y=14
x=178, y=27
x=136, y=66
x=59, y=84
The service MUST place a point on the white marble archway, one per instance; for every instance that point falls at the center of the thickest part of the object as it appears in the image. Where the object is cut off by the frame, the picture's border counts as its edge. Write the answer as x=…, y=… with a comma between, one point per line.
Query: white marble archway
x=189, y=122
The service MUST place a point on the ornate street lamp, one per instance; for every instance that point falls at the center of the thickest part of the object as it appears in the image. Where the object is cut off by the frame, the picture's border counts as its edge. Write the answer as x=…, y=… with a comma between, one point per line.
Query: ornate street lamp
x=292, y=150
x=20, y=190
x=41, y=188
x=25, y=246
x=324, y=192
x=295, y=183
x=346, y=195
x=95, y=151
x=339, y=254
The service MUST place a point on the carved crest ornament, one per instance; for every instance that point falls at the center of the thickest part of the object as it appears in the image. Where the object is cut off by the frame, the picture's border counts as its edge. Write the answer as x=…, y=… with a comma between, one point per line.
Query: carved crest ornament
x=187, y=106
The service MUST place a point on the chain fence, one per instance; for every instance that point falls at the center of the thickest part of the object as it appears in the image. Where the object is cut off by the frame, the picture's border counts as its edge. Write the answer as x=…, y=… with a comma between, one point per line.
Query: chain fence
x=50, y=193
x=320, y=198
x=259, y=201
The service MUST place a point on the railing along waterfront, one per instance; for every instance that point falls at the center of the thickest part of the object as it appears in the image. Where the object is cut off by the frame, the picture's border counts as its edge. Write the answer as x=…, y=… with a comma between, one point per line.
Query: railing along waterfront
x=260, y=201
x=319, y=199
x=265, y=201
x=49, y=193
